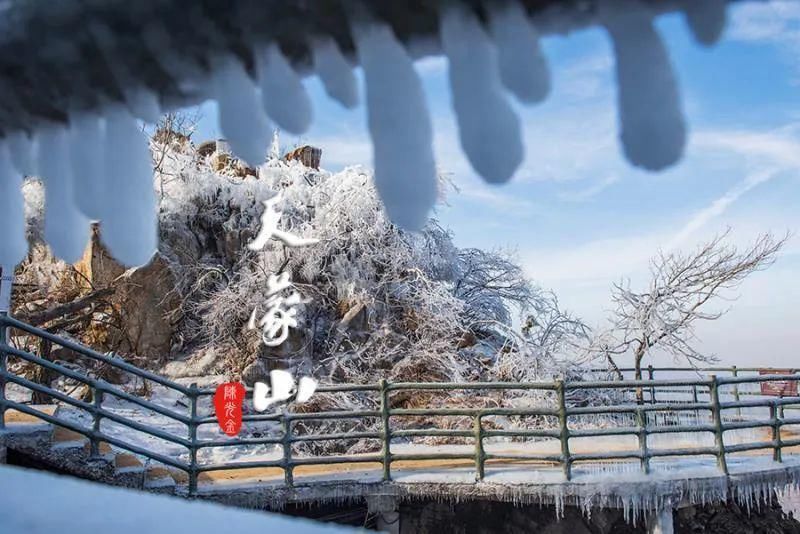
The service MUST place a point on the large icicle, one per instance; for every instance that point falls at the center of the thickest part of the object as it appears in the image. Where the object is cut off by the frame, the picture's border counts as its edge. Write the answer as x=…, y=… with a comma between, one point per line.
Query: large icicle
x=652, y=126
x=706, y=19
x=88, y=175
x=335, y=73
x=129, y=227
x=285, y=99
x=399, y=123
x=13, y=245
x=241, y=117
x=20, y=149
x=66, y=229
x=143, y=104
x=523, y=67
x=487, y=125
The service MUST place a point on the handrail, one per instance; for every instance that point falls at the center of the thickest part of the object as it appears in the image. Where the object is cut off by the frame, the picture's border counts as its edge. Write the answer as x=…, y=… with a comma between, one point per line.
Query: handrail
x=559, y=416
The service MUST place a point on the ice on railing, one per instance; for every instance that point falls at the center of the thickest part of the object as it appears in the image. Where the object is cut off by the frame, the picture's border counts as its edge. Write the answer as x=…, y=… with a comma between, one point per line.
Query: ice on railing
x=483, y=62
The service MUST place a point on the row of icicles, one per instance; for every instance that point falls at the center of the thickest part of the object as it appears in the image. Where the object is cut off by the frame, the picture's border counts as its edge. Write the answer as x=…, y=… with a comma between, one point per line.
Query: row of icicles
x=99, y=167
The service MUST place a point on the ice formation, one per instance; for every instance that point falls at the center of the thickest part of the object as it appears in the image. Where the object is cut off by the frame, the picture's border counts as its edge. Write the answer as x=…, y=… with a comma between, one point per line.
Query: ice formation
x=706, y=20
x=652, y=127
x=20, y=148
x=487, y=125
x=66, y=229
x=485, y=63
x=523, y=67
x=85, y=136
x=335, y=73
x=241, y=118
x=12, y=217
x=399, y=124
x=129, y=224
x=285, y=99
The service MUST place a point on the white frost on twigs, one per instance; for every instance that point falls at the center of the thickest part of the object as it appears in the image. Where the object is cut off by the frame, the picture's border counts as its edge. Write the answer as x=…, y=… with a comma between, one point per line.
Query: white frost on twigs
x=88, y=174
x=399, y=123
x=335, y=73
x=20, y=148
x=284, y=96
x=487, y=125
x=129, y=227
x=652, y=125
x=241, y=118
x=706, y=19
x=523, y=67
x=66, y=229
x=13, y=246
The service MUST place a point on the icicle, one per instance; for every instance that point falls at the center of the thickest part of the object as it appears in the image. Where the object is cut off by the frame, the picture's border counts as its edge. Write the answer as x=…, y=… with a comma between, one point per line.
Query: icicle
x=488, y=127
x=285, y=99
x=143, y=104
x=241, y=118
x=13, y=245
x=653, y=130
x=275, y=147
x=20, y=151
x=88, y=177
x=335, y=72
x=129, y=226
x=706, y=19
x=400, y=126
x=66, y=229
x=523, y=67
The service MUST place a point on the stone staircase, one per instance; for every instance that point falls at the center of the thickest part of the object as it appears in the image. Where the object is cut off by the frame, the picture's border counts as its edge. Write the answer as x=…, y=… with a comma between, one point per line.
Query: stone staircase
x=30, y=441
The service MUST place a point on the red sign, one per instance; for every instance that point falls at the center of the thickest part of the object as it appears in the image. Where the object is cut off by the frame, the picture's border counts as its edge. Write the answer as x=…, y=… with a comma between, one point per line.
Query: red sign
x=228, y=400
x=778, y=388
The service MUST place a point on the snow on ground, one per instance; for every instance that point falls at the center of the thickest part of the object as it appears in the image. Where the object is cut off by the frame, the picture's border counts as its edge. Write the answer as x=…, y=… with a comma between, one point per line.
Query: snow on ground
x=76, y=507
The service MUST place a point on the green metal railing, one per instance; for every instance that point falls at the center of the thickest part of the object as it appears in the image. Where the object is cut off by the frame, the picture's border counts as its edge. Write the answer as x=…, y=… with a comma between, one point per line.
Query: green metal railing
x=623, y=416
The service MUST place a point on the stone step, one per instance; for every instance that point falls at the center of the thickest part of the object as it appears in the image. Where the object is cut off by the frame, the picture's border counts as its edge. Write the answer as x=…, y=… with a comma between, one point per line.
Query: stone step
x=17, y=421
x=127, y=463
x=63, y=438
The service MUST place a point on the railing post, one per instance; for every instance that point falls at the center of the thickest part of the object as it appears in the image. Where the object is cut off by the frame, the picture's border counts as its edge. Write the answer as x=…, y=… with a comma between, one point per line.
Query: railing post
x=386, y=432
x=480, y=456
x=777, y=455
x=193, y=396
x=287, y=449
x=716, y=414
x=94, y=443
x=735, y=373
x=3, y=366
x=564, y=429
x=641, y=422
x=650, y=375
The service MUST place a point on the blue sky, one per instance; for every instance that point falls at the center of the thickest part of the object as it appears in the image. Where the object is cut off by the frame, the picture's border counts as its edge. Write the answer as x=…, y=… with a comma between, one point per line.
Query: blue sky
x=580, y=217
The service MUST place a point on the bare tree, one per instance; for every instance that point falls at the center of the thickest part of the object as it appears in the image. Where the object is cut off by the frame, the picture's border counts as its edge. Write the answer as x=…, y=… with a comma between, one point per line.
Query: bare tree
x=681, y=287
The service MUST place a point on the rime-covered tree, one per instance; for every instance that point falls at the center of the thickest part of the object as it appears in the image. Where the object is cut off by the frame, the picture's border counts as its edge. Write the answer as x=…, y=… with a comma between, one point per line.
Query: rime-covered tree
x=682, y=288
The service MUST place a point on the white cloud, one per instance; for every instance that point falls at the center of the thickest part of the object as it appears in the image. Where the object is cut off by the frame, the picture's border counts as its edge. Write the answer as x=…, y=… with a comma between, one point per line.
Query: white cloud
x=588, y=193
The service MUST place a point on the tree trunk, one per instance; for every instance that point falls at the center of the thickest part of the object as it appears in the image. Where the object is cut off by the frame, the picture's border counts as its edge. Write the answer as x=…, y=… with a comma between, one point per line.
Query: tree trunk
x=42, y=375
x=638, y=376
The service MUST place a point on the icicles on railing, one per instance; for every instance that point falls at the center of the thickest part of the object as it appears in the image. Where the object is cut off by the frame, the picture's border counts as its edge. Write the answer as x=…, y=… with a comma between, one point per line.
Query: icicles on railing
x=652, y=127
x=66, y=229
x=14, y=246
x=523, y=67
x=86, y=159
x=400, y=126
x=335, y=73
x=285, y=99
x=487, y=125
x=129, y=227
x=241, y=117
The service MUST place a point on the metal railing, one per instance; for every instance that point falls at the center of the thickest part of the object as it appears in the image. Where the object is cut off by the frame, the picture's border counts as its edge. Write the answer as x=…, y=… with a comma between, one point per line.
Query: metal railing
x=622, y=416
